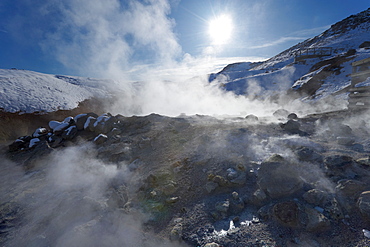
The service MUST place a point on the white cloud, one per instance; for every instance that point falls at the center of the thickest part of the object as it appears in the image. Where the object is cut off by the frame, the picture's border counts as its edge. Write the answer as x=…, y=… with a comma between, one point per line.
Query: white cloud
x=101, y=38
x=312, y=31
x=296, y=36
x=278, y=42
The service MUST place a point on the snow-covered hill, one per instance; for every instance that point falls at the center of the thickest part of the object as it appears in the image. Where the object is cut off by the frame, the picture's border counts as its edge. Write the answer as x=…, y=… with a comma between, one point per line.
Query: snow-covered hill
x=321, y=76
x=28, y=91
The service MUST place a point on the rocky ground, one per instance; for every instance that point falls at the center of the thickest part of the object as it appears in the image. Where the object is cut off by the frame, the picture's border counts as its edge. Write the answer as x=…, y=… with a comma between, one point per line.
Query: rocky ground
x=282, y=180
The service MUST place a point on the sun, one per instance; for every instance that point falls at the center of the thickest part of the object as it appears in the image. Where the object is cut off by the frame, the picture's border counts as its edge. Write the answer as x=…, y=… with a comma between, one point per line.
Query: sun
x=220, y=29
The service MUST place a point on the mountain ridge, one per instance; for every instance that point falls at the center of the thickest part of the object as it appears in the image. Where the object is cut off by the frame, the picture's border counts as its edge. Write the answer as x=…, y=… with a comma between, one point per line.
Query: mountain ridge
x=344, y=37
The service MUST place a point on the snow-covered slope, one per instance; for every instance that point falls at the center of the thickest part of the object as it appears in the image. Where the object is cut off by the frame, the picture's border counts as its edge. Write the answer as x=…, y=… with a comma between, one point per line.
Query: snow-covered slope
x=28, y=91
x=281, y=72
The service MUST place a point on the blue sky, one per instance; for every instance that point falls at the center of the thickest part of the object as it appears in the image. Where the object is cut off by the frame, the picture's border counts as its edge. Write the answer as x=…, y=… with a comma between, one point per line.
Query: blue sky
x=113, y=38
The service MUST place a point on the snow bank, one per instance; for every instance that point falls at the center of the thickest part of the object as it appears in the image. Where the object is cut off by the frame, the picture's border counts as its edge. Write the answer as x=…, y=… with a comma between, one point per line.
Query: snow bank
x=28, y=91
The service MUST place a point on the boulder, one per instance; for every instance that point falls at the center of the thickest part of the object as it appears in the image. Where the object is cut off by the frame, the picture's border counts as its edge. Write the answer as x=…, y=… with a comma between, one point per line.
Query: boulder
x=281, y=114
x=287, y=213
x=69, y=120
x=55, y=141
x=69, y=133
x=337, y=165
x=350, y=188
x=292, y=127
x=345, y=140
x=339, y=129
x=39, y=132
x=251, y=118
x=324, y=202
x=316, y=221
x=60, y=128
x=17, y=145
x=34, y=142
x=20, y=144
x=316, y=197
x=278, y=178
x=100, y=139
x=89, y=124
x=363, y=204
x=364, y=161
x=104, y=123
x=80, y=121
x=293, y=116
x=349, y=191
x=308, y=154
x=54, y=124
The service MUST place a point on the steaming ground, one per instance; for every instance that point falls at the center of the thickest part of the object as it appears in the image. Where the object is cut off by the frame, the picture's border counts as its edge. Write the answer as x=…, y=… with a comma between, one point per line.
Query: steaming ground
x=65, y=200
x=170, y=181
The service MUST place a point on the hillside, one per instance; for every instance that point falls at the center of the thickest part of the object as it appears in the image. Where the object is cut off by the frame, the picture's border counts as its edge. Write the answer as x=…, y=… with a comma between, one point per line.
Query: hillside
x=27, y=91
x=316, y=77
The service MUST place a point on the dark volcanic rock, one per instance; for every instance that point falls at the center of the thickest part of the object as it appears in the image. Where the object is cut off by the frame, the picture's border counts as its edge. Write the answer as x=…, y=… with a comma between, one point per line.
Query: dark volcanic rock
x=278, y=178
x=293, y=116
x=81, y=120
x=292, y=126
x=363, y=204
x=337, y=165
x=287, y=213
x=251, y=118
x=69, y=133
x=89, y=124
x=100, y=139
x=281, y=114
x=315, y=197
x=316, y=221
x=350, y=188
x=20, y=143
x=308, y=154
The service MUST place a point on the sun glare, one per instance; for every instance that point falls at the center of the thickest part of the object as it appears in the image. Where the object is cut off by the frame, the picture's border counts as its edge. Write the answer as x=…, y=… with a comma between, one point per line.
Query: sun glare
x=220, y=29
